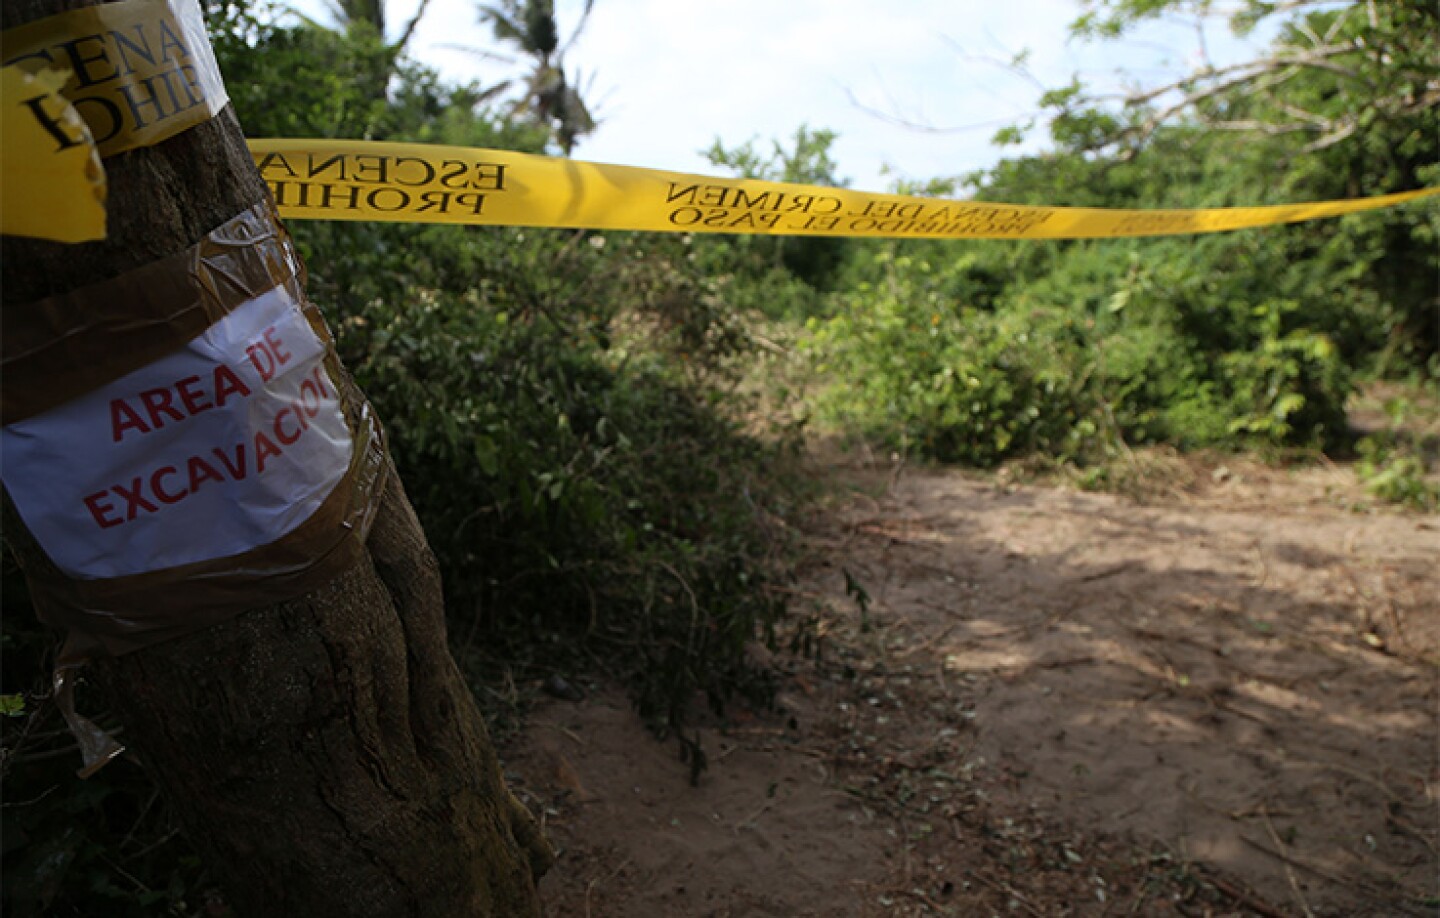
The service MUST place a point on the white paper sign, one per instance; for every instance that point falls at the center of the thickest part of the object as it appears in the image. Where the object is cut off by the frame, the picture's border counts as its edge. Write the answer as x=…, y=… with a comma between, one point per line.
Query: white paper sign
x=224, y=446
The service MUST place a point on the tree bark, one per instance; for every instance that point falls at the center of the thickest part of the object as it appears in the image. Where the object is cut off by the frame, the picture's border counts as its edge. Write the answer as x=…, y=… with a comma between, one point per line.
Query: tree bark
x=323, y=754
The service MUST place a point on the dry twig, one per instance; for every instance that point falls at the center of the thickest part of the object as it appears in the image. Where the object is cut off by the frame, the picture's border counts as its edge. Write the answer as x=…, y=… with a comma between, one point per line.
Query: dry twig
x=1289, y=874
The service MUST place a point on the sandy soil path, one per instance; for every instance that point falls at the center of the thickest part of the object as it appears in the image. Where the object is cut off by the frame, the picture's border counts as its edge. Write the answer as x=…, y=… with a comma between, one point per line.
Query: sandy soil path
x=1219, y=702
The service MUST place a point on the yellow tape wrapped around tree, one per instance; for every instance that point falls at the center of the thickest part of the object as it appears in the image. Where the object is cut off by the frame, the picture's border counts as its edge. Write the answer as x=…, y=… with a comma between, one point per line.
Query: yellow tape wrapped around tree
x=52, y=184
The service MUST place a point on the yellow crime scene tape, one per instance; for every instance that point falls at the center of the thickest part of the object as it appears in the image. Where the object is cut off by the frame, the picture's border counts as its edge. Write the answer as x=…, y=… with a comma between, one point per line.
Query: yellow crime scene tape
x=140, y=71
x=53, y=188
x=414, y=183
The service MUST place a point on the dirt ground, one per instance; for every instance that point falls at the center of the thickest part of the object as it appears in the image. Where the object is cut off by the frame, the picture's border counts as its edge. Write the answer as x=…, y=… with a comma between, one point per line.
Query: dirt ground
x=1032, y=700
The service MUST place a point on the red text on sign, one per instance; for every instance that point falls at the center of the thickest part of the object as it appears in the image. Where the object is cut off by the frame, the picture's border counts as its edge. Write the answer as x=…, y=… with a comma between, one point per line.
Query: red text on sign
x=152, y=409
x=171, y=483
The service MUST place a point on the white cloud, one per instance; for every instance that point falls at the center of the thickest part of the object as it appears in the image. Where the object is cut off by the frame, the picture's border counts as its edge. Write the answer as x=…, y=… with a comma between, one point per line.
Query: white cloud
x=671, y=76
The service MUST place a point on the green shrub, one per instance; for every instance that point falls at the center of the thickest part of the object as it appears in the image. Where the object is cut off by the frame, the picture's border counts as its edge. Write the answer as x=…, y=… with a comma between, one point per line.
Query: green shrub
x=1110, y=342
x=919, y=371
x=584, y=503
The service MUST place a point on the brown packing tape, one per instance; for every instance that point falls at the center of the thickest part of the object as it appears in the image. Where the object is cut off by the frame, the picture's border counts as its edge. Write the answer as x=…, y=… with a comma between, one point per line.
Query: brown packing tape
x=66, y=346
x=124, y=614
x=61, y=347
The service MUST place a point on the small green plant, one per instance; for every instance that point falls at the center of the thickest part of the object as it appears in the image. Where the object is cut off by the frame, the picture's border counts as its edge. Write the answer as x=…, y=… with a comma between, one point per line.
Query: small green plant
x=1397, y=473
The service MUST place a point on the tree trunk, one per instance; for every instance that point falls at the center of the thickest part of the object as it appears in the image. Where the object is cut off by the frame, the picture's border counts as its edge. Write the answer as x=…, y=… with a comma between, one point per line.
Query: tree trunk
x=323, y=754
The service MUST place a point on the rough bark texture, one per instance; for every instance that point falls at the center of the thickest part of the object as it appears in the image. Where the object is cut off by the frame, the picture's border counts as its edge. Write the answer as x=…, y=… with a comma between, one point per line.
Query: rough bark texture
x=324, y=754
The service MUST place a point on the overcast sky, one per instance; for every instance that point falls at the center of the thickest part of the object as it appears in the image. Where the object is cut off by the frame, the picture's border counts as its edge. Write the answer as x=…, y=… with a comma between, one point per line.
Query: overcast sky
x=669, y=77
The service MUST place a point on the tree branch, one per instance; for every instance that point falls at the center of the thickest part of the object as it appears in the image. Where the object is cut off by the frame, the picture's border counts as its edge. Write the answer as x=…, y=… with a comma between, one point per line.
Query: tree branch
x=409, y=32
x=898, y=121
x=1315, y=58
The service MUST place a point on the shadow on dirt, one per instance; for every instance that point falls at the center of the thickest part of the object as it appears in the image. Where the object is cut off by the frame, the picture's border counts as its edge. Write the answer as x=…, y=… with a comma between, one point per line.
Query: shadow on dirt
x=1241, y=688
x=1032, y=701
